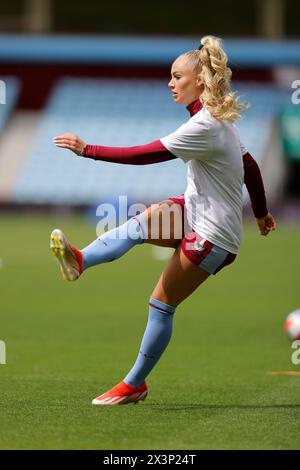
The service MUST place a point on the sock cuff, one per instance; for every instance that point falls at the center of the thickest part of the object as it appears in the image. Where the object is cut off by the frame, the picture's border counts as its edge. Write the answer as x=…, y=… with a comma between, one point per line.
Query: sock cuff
x=161, y=306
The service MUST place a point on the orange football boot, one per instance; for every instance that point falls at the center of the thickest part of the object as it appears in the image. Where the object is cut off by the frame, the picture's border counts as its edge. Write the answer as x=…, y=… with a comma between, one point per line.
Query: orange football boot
x=122, y=394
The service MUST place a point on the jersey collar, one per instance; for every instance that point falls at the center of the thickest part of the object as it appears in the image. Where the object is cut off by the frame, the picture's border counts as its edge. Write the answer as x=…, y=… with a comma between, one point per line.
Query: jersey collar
x=194, y=107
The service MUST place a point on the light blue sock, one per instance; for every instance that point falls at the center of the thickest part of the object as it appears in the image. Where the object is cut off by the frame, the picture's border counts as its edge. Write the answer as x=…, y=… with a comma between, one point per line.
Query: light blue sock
x=155, y=340
x=113, y=244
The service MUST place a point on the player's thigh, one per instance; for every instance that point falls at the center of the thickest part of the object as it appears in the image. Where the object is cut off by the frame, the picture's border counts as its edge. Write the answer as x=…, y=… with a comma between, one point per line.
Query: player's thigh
x=179, y=279
x=165, y=223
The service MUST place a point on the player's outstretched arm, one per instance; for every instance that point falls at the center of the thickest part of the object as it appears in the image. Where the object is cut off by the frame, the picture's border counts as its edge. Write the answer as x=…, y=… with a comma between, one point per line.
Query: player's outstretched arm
x=155, y=152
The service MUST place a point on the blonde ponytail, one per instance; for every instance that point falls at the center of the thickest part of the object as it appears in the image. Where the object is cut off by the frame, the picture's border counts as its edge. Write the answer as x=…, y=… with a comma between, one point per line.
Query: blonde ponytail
x=211, y=64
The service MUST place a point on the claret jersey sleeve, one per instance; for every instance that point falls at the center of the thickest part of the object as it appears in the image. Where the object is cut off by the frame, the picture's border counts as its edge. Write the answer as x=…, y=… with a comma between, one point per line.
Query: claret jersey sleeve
x=189, y=141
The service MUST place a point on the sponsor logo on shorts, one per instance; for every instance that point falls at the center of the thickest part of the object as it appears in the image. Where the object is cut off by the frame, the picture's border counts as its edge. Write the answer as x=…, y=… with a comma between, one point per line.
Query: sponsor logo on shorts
x=199, y=245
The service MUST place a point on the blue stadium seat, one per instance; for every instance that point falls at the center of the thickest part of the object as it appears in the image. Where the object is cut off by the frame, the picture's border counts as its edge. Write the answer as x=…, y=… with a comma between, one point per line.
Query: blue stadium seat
x=9, y=92
x=266, y=102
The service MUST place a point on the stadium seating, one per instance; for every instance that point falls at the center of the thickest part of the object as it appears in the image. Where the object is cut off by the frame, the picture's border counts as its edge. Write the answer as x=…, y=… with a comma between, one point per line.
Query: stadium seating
x=122, y=113
x=9, y=92
x=266, y=103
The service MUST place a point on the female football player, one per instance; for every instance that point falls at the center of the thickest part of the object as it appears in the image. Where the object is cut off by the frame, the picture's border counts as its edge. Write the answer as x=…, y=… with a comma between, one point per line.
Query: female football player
x=210, y=225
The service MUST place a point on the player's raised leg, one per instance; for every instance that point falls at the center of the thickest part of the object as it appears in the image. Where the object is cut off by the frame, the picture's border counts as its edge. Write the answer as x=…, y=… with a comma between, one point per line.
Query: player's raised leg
x=108, y=247
x=156, y=225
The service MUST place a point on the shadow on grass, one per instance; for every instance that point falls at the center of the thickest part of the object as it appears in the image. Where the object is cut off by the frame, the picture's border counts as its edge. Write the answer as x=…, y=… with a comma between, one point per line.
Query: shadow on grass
x=199, y=406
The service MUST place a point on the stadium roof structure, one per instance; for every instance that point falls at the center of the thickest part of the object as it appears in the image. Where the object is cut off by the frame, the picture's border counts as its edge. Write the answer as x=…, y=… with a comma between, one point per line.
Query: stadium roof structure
x=139, y=50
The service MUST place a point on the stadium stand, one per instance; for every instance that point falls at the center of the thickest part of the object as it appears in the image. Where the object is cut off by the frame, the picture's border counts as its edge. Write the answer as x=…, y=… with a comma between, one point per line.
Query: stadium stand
x=9, y=92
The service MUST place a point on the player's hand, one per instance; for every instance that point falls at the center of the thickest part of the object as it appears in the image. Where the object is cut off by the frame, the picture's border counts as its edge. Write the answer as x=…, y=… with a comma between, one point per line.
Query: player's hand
x=266, y=224
x=71, y=142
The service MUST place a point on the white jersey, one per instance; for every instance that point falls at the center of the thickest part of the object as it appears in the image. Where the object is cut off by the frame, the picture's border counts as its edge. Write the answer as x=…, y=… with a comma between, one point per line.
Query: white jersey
x=215, y=176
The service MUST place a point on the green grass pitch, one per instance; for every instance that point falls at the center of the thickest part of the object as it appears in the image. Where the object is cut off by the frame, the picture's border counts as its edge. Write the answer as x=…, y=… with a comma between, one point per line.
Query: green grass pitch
x=68, y=342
